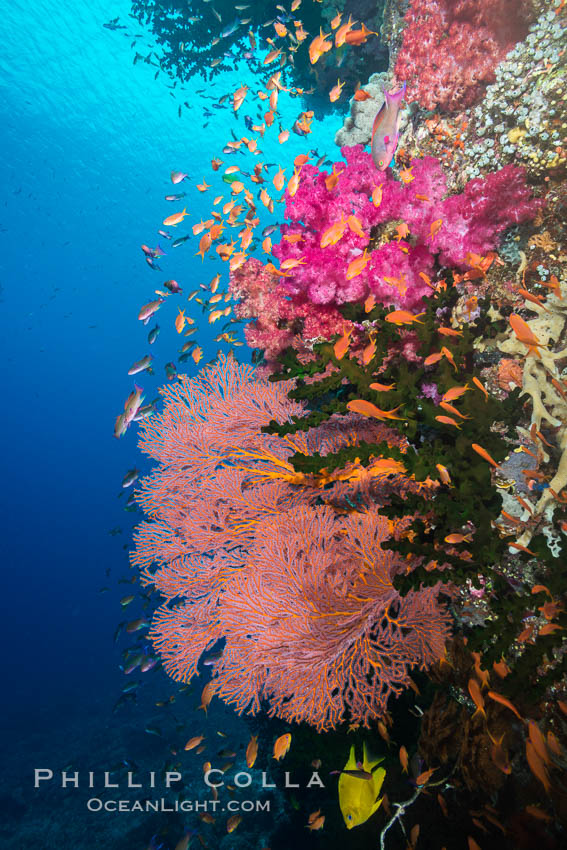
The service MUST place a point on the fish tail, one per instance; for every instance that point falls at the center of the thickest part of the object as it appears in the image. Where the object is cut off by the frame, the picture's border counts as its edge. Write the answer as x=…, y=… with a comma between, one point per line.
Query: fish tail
x=397, y=96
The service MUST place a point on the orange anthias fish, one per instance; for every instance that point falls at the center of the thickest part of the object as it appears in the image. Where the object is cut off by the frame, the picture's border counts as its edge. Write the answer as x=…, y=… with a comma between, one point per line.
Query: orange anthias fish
x=252, y=751
x=424, y=777
x=173, y=220
x=553, y=284
x=538, y=740
x=341, y=346
x=366, y=408
x=233, y=822
x=452, y=410
x=525, y=334
x=278, y=180
x=333, y=178
x=434, y=358
x=458, y=538
x=341, y=33
x=369, y=352
x=357, y=266
x=406, y=175
x=435, y=228
x=238, y=97
x=402, y=230
x=281, y=746
x=448, y=420
x=448, y=331
x=292, y=263
x=403, y=317
x=481, y=387
x=356, y=37
x=370, y=303
x=316, y=821
x=537, y=766
x=335, y=92
x=484, y=454
x=204, y=244
x=498, y=754
x=293, y=183
x=332, y=234
x=476, y=696
x=318, y=46
x=377, y=195
x=505, y=702
x=443, y=473
x=454, y=393
x=355, y=225
x=180, y=321
x=501, y=668
x=534, y=299
x=273, y=54
x=210, y=688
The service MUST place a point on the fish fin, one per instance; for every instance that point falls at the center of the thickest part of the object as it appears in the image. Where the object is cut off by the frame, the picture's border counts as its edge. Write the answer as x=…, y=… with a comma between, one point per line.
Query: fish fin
x=351, y=763
x=377, y=782
x=377, y=120
x=376, y=806
x=369, y=762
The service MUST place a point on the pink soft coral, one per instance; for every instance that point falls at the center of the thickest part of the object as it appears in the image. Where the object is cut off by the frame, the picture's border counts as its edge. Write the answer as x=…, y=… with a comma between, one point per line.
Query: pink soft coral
x=450, y=48
x=278, y=320
x=303, y=306
x=470, y=221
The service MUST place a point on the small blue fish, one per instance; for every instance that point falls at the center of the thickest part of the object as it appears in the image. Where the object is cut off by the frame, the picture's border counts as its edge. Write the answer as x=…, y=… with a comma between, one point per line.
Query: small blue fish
x=384, y=139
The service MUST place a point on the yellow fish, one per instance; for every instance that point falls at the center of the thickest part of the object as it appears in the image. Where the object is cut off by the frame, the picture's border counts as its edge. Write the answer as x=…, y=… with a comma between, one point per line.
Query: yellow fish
x=358, y=798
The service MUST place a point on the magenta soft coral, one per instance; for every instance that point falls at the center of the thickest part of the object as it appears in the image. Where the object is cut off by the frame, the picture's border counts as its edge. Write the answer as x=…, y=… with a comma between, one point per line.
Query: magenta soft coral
x=314, y=208
x=485, y=209
x=304, y=305
x=450, y=48
x=470, y=221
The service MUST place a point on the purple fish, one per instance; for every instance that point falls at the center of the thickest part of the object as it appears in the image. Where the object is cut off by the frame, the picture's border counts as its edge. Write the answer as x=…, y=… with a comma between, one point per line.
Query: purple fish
x=173, y=286
x=384, y=137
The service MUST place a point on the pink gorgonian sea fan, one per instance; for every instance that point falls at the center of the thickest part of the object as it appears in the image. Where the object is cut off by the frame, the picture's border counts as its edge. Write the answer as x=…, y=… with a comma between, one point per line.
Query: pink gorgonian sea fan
x=245, y=549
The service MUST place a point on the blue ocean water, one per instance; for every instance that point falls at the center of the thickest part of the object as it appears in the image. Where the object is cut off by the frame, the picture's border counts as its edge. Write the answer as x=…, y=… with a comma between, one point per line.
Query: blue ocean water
x=88, y=142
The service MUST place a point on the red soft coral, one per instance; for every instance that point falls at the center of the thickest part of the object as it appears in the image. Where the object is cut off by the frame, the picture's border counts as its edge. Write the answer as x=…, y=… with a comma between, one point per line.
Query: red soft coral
x=450, y=49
